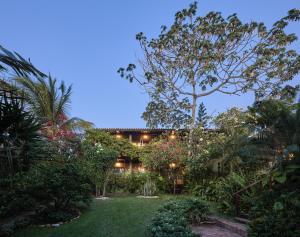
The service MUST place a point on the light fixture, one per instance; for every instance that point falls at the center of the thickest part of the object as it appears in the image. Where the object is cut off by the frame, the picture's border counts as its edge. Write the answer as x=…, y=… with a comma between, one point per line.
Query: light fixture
x=119, y=164
x=172, y=137
x=118, y=136
x=145, y=137
x=141, y=169
x=172, y=165
x=291, y=156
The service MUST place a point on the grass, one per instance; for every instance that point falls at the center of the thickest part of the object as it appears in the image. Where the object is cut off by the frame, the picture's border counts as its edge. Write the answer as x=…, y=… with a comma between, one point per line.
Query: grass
x=119, y=216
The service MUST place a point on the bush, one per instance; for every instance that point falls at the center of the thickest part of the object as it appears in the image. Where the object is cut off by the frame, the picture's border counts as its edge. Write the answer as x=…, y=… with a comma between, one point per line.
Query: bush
x=275, y=215
x=136, y=183
x=221, y=190
x=173, y=218
x=52, y=190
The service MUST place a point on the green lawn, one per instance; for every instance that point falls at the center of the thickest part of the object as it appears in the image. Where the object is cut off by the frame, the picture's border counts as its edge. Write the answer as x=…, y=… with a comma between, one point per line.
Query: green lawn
x=117, y=217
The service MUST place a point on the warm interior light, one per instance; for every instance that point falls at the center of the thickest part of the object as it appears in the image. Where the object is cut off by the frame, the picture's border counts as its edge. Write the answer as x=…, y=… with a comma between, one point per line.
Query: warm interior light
x=120, y=164
x=172, y=165
x=172, y=137
x=145, y=137
x=291, y=156
x=118, y=136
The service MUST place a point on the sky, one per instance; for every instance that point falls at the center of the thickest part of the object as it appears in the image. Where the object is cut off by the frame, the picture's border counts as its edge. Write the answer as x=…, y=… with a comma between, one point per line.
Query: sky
x=84, y=42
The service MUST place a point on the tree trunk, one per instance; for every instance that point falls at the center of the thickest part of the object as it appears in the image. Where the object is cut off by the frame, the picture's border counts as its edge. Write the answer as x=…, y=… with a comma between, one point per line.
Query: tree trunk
x=97, y=191
x=193, y=121
x=104, y=187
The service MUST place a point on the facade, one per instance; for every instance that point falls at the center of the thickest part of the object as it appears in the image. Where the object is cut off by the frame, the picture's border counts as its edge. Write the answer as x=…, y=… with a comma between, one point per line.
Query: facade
x=139, y=137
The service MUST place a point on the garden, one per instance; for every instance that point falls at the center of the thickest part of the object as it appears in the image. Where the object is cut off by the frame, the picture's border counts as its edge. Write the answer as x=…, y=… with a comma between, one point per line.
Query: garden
x=58, y=174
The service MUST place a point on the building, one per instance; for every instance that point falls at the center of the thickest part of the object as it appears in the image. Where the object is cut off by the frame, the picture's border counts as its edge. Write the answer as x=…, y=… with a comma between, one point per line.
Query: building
x=139, y=137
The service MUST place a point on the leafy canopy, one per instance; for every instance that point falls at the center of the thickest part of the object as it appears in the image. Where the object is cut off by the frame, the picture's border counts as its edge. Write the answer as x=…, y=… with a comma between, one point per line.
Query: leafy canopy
x=200, y=55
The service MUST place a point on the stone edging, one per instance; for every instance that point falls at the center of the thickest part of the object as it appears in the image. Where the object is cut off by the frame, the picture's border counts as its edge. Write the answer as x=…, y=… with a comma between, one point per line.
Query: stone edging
x=59, y=223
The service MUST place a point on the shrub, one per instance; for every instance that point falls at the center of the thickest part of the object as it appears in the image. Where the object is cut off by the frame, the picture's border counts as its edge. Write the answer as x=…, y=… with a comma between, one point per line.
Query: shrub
x=136, y=183
x=221, y=190
x=52, y=190
x=275, y=215
x=174, y=217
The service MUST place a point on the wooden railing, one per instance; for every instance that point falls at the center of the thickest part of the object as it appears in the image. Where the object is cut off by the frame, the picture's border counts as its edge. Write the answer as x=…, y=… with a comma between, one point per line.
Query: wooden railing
x=237, y=196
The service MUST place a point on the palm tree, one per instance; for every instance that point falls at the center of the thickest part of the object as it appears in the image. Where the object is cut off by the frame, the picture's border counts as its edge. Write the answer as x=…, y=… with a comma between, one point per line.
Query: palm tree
x=50, y=103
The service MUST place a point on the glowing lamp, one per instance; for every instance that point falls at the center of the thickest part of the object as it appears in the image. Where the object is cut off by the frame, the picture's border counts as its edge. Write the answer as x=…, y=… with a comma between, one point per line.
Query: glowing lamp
x=118, y=136
x=145, y=137
x=291, y=156
x=172, y=137
x=118, y=164
x=172, y=165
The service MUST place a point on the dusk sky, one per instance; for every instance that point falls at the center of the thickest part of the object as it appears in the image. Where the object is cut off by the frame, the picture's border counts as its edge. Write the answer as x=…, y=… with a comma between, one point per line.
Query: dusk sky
x=85, y=42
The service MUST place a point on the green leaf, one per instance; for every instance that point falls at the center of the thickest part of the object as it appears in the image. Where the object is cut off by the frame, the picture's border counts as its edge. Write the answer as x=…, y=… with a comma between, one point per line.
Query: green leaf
x=278, y=206
x=281, y=179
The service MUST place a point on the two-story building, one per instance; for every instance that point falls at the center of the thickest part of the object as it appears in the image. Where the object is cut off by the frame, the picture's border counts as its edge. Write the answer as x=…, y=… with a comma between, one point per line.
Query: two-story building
x=139, y=137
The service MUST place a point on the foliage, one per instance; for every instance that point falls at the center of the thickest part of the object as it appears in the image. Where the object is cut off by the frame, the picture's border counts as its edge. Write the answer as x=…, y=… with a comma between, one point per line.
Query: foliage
x=50, y=103
x=160, y=155
x=222, y=145
x=275, y=214
x=174, y=217
x=122, y=146
x=98, y=163
x=14, y=61
x=236, y=58
x=202, y=118
x=166, y=158
x=206, y=146
x=235, y=131
x=19, y=137
x=51, y=190
x=220, y=190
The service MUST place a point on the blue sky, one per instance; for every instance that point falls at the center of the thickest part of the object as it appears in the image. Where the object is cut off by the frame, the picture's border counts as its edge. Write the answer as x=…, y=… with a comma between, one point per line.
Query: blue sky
x=85, y=42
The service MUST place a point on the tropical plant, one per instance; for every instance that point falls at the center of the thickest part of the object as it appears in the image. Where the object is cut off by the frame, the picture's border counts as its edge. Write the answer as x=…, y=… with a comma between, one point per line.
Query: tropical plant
x=50, y=104
x=19, y=137
x=14, y=61
x=276, y=211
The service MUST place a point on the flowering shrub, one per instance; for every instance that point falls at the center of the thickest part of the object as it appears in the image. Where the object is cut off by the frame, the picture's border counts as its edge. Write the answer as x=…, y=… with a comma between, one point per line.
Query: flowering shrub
x=164, y=155
x=166, y=158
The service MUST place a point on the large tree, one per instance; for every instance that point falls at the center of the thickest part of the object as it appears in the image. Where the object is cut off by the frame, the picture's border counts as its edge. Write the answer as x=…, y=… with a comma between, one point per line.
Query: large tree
x=198, y=56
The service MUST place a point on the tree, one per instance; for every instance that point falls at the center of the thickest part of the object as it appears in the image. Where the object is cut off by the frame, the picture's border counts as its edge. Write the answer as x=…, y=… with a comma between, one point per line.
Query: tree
x=198, y=56
x=14, y=61
x=203, y=118
x=232, y=126
x=50, y=102
x=99, y=163
x=166, y=158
